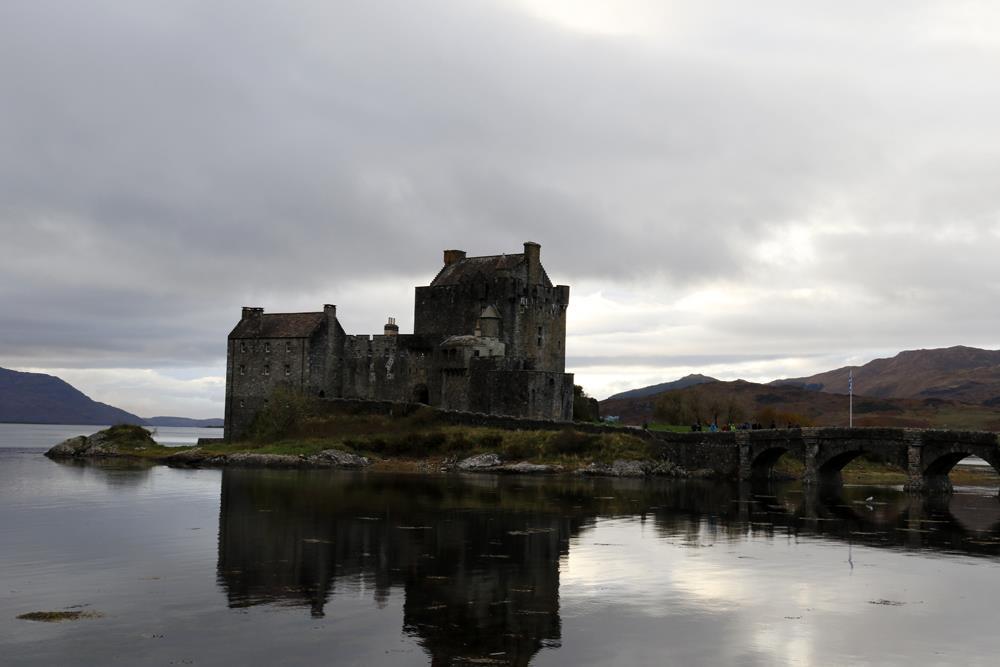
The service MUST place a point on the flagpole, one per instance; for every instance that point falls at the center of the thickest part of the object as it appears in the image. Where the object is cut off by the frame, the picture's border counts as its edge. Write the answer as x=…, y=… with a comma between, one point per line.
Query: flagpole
x=850, y=390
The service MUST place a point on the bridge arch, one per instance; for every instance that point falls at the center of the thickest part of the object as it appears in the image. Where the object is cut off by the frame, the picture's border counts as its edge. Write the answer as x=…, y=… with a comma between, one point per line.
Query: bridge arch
x=762, y=461
x=833, y=455
x=939, y=459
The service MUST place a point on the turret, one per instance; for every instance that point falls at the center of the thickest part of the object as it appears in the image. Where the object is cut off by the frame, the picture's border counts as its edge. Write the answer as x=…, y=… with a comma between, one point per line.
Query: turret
x=488, y=325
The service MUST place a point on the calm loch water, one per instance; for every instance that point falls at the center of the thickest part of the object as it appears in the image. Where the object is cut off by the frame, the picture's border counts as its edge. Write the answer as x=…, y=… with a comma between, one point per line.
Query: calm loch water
x=315, y=567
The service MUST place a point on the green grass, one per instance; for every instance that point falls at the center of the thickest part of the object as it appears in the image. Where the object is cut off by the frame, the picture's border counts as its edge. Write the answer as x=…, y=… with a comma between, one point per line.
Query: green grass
x=399, y=439
x=670, y=428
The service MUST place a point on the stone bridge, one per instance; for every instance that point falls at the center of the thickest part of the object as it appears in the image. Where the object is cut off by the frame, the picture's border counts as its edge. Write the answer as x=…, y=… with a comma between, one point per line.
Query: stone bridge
x=926, y=455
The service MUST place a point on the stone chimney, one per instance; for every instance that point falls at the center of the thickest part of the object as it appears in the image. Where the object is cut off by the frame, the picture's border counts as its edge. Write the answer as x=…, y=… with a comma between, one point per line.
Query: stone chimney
x=391, y=328
x=255, y=316
x=452, y=256
x=532, y=256
x=330, y=311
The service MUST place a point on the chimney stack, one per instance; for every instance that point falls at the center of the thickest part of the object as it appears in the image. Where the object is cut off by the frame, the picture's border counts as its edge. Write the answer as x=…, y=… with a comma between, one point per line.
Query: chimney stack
x=253, y=315
x=452, y=256
x=391, y=329
x=330, y=311
x=532, y=257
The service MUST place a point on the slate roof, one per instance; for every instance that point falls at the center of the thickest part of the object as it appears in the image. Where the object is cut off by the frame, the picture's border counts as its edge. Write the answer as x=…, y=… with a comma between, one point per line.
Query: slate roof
x=489, y=267
x=280, y=325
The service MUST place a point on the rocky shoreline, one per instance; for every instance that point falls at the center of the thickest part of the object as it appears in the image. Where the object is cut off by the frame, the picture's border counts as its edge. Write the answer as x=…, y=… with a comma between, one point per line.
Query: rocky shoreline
x=105, y=446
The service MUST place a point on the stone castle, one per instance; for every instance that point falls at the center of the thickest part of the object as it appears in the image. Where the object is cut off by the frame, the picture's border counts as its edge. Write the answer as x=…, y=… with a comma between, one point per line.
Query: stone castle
x=489, y=335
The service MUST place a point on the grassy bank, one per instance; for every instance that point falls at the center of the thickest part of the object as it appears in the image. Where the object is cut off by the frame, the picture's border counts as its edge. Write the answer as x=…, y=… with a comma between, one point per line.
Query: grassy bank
x=392, y=442
x=420, y=436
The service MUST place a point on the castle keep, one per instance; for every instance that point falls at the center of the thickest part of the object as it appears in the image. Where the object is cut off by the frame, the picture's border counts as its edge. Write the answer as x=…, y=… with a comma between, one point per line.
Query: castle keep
x=489, y=336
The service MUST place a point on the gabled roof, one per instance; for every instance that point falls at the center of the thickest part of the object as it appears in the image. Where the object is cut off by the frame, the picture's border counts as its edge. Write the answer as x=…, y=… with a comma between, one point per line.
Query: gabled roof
x=280, y=325
x=488, y=267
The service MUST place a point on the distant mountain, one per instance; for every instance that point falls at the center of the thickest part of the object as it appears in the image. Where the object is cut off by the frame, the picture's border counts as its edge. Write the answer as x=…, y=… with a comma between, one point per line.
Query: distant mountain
x=749, y=401
x=652, y=390
x=965, y=374
x=36, y=398
x=182, y=421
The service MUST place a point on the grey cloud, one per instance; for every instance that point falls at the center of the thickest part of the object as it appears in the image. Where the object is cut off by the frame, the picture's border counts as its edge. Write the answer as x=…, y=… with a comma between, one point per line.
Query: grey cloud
x=668, y=360
x=166, y=162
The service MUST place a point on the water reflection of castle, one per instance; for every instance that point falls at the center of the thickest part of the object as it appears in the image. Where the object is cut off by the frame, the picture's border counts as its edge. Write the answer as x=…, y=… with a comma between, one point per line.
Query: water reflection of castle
x=478, y=559
x=478, y=582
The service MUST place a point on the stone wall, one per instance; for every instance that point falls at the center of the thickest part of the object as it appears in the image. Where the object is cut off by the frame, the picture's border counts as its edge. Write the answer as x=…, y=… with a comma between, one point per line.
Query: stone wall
x=256, y=367
x=385, y=367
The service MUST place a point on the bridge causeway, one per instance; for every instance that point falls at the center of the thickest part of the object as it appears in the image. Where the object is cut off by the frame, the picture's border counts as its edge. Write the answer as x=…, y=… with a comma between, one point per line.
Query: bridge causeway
x=926, y=455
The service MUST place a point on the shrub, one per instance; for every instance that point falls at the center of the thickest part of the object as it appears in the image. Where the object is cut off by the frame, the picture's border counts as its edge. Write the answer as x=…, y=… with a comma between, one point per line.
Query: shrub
x=423, y=416
x=519, y=450
x=458, y=444
x=282, y=416
x=570, y=442
x=491, y=441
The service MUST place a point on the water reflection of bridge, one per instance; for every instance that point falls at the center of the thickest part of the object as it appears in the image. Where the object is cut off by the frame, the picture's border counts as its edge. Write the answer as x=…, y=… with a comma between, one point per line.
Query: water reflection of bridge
x=478, y=558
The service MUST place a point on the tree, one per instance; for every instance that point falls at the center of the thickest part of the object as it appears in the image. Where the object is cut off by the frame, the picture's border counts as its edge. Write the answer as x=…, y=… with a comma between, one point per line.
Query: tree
x=585, y=408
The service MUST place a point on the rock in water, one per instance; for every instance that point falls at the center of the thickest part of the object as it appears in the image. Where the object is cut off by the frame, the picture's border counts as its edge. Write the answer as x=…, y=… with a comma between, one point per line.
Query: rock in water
x=120, y=440
x=68, y=449
x=338, y=459
x=480, y=462
x=525, y=468
x=619, y=468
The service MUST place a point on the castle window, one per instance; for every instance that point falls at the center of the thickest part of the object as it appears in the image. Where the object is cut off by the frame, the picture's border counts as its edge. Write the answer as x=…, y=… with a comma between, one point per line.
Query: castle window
x=475, y=353
x=539, y=331
x=267, y=370
x=267, y=347
x=552, y=382
x=242, y=403
x=243, y=346
x=539, y=340
x=243, y=370
x=288, y=369
x=288, y=347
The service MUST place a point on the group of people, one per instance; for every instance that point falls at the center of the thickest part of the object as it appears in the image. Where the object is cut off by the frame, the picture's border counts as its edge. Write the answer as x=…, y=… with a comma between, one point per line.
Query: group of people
x=745, y=426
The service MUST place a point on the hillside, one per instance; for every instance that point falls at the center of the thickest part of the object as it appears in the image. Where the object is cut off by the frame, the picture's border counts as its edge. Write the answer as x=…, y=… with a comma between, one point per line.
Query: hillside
x=182, y=421
x=45, y=399
x=964, y=374
x=36, y=398
x=652, y=390
x=760, y=402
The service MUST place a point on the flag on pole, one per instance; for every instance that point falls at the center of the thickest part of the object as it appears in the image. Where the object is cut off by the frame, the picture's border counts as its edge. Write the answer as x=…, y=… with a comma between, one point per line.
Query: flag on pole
x=850, y=393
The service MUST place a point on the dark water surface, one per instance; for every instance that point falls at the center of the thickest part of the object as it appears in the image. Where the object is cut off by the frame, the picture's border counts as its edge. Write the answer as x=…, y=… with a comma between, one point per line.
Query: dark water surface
x=308, y=567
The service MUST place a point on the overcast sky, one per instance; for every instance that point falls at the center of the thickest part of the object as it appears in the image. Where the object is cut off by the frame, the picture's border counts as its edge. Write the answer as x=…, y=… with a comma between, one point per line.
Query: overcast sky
x=750, y=190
